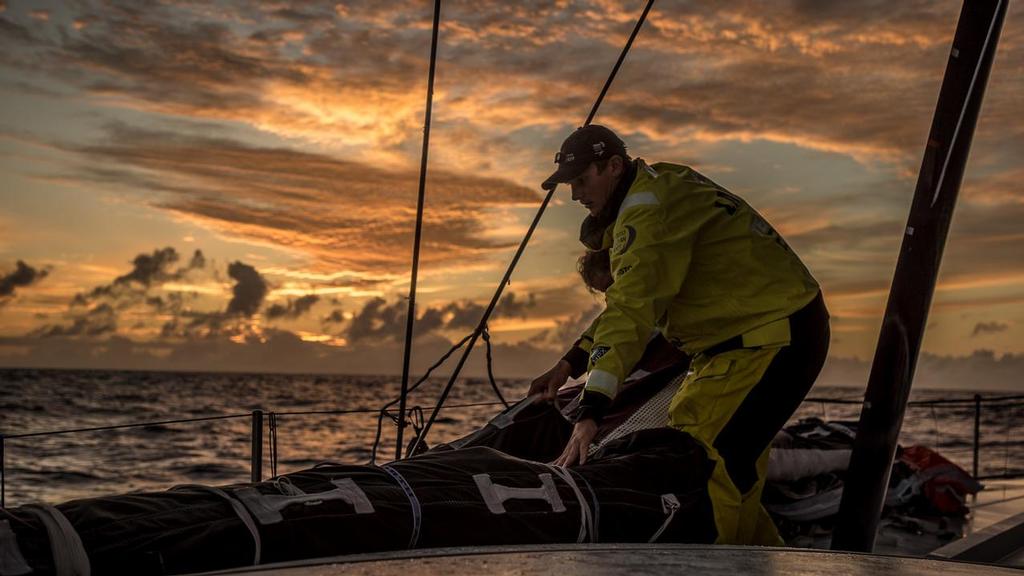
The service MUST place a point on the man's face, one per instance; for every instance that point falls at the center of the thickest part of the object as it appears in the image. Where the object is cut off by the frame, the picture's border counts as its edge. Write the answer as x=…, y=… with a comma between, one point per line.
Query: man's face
x=592, y=189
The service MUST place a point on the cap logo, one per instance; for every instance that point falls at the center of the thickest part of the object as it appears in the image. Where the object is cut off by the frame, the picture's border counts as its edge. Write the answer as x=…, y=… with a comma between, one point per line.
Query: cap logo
x=598, y=149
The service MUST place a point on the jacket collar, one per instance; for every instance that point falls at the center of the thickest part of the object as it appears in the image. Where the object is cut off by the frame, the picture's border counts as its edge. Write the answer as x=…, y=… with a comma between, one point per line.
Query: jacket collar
x=593, y=227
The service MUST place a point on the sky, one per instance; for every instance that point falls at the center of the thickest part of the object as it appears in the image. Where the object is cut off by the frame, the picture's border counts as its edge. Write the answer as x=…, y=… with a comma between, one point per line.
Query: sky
x=232, y=185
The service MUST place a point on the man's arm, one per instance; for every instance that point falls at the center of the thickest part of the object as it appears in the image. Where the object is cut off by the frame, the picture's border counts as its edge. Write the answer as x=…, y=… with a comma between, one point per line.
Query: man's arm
x=578, y=356
x=652, y=250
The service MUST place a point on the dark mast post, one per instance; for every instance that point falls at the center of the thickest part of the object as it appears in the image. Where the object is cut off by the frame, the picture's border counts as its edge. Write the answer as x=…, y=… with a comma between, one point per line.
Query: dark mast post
x=913, y=285
x=411, y=313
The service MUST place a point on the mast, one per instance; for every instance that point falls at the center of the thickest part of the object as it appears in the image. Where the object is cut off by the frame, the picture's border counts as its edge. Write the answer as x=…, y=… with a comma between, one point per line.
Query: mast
x=913, y=285
x=410, y=315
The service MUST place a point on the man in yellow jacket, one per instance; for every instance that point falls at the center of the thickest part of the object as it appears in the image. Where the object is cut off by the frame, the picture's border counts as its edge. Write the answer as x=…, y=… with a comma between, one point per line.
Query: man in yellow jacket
x=699, y=264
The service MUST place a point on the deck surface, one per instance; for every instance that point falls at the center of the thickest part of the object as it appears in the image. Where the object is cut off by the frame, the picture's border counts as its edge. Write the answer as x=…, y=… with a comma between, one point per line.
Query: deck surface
x=624, y=560
x=999, y=500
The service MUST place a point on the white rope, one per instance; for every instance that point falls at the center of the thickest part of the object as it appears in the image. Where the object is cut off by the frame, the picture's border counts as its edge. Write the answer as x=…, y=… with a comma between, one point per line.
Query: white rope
x=586, y=515
x=69, y=556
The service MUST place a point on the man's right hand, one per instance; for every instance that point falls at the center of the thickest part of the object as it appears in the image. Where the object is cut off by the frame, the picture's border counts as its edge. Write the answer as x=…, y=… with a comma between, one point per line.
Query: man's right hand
x=548, y=383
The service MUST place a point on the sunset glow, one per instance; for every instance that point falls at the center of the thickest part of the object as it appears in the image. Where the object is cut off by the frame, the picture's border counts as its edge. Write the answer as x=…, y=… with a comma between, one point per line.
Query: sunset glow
x=191, y=185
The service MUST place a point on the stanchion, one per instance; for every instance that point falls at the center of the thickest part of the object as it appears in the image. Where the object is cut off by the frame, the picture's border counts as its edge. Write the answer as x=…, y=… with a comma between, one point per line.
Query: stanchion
x=256, y=465
x=977, y=433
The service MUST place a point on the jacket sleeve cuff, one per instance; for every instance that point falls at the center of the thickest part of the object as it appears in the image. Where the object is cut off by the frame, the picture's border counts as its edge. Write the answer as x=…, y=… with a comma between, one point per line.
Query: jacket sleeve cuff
x=577, y=359
x=593, y=406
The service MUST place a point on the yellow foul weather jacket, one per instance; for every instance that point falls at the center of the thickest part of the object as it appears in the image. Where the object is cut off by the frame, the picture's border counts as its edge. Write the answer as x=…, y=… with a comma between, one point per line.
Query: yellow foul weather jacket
x=696, y=262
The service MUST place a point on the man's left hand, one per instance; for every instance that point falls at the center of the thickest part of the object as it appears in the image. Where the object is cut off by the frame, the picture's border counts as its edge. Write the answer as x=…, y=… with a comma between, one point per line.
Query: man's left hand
x=576, y=450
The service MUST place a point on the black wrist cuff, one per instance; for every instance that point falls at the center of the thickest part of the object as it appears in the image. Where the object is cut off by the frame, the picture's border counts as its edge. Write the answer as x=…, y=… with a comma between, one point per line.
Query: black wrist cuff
x=577, y=359
x=593, y=406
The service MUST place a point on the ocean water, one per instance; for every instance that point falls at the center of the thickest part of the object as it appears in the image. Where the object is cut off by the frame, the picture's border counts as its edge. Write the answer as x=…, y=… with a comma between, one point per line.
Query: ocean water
x=55, y=468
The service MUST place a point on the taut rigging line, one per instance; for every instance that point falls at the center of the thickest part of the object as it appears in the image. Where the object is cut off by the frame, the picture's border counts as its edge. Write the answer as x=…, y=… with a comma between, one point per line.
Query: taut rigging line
x=410, y=315
x=482, y=326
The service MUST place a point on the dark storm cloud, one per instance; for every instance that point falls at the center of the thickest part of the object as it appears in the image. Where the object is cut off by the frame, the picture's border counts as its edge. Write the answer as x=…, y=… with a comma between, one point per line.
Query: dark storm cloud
x=293, y=308
x=249, y=290
x=467, y=314
x=23, y=275
x=99, y=320
x=377, y=320
x=335, y=317
x=13, y=35
x=147, y=270
x=95, y=313
x=380, y=320
x=989, y=328
x=567, y=329
x=512, y=305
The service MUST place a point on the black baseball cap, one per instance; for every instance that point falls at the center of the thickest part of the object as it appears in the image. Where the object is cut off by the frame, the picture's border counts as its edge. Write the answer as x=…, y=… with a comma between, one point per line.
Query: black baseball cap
x=587, y=144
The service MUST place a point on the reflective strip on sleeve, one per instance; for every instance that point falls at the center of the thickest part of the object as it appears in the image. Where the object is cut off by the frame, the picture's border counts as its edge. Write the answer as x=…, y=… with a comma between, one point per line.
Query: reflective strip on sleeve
x=604, y=382
x=638, y=199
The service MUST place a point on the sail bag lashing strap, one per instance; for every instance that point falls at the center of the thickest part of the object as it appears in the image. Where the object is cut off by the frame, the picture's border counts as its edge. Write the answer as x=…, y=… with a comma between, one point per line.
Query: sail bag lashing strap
x=69, y=556
x=239, y=509
x=495, y=495
x=414, y=504
x=587, y=528
x=266, y=508
x=12, y=562
x=669, y=505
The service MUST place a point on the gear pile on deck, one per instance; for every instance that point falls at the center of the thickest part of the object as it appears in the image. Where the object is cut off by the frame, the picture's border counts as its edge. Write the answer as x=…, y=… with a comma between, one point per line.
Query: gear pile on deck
x=925, y=505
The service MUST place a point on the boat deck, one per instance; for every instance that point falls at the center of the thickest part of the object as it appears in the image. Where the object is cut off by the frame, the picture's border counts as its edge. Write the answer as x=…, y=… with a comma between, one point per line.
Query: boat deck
x=998, y=501
x=622, y=560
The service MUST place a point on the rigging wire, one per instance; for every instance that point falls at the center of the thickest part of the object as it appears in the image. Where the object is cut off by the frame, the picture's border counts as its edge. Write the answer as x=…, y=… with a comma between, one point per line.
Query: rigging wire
x=490, y=367
x=272, y=423
x=410, y=315
x=522, y=245
x=383, y=412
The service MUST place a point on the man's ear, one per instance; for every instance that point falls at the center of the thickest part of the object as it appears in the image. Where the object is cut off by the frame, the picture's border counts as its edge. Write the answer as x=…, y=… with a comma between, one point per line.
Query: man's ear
x=617, y=165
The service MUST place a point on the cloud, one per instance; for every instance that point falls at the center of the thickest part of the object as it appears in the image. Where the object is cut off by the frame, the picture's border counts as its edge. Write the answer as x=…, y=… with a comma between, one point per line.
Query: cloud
x=147, y=270
x=158, y=304
x=249, y=290
x=980, y=370
x=23, y=275
x=336, y=316
x=275, y=352
x=512, y=305
x=567, y=329
x=97, y=321
x=326, y=171
x=378, y=320
x=343, y=214
x=989, y=328
x=294, y=308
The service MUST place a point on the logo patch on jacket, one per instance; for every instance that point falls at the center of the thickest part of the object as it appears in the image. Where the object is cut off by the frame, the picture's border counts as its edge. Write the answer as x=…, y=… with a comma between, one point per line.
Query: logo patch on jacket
x=624, y=239
x=598, y=352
